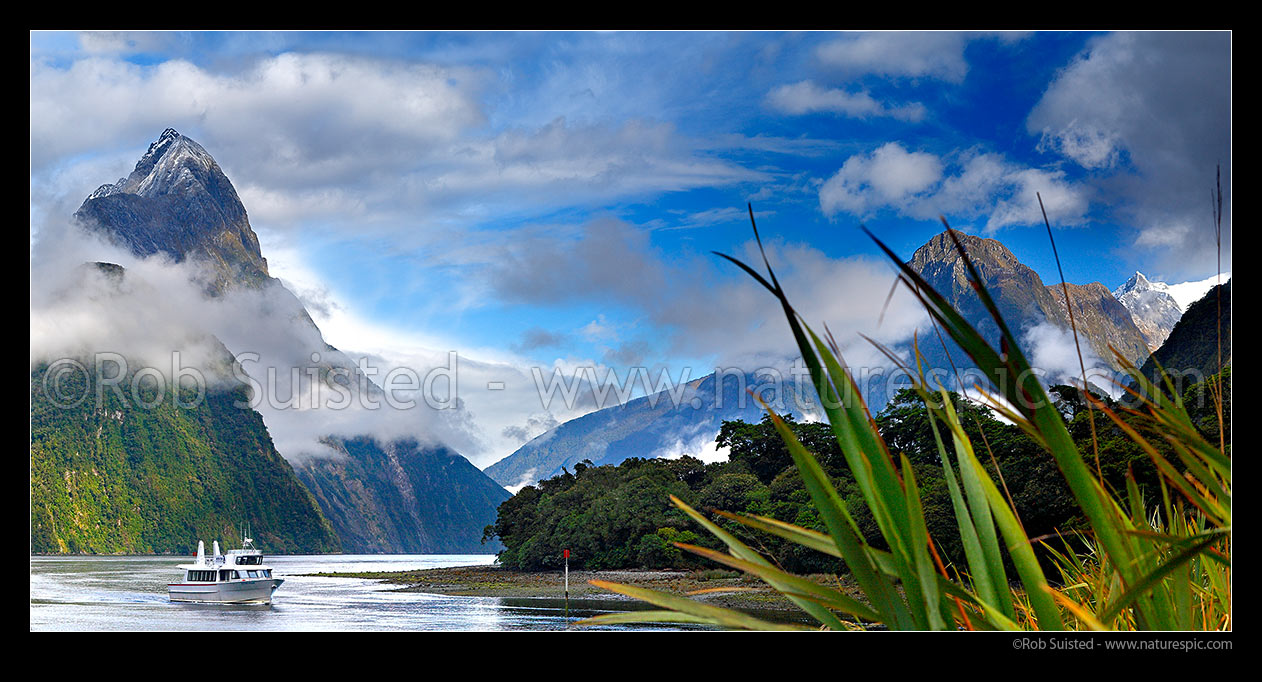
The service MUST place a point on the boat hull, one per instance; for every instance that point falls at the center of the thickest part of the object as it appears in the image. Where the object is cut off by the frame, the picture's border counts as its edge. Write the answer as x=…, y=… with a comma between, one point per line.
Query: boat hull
x=258, y=591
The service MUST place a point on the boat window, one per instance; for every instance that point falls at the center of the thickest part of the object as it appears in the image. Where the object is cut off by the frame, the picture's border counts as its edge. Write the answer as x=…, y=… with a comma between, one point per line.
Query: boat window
x=236, y=575
x=268, y=573
x=225, y=575
x=201, y=576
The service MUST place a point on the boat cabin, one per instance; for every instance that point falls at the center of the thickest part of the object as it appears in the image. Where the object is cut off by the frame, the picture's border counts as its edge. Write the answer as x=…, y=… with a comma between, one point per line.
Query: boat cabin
x=235, y=564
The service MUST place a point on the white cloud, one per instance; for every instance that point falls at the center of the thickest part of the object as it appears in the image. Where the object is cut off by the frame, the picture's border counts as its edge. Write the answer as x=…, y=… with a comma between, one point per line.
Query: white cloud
x=356, y=141
x=909, y=54
x=702, y=307
x=889, y=175
x=1054, y=356
x=1150, y=114
x=698, y=442
x=159, y=308
x=124, y=42
x=805, y=97
x=305, y=115
x=501, y=402
x=968, y=185
x=1091, y=147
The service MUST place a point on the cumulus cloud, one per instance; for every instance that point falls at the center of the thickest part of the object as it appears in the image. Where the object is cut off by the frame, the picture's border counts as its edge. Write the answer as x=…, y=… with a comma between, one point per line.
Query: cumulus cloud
x=909, y=54
x=889, y=175
x=968, y=185
x=313, y=116
x=350, y=139
x=1150, y=114
x=806, y=97
x=697, y=306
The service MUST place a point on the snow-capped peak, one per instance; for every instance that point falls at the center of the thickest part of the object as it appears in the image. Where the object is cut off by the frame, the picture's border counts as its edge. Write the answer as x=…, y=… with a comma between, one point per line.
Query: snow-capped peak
x=172, y=163
x=1152, y=307
x=1139, y=283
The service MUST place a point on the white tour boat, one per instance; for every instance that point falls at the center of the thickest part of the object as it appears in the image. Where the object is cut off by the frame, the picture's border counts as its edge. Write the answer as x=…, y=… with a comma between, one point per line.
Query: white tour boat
x=237, y=577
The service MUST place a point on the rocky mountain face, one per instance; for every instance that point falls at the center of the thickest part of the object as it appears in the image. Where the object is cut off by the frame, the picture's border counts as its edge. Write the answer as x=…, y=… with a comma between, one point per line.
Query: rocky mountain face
x=1103, y=320
x=400, y=497
x=1152, y=307
x=650, y=426
x=178, y=202
x=1192, y=349
x=1023, y=299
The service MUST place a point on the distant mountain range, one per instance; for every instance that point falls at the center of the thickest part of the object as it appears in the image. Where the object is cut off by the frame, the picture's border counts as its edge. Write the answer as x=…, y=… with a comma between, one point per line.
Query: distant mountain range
x=650, y=426
x=637, y=429
x=376, y=496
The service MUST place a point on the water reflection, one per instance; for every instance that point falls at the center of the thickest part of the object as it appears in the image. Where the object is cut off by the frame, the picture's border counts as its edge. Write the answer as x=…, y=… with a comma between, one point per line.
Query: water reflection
x=129, y=593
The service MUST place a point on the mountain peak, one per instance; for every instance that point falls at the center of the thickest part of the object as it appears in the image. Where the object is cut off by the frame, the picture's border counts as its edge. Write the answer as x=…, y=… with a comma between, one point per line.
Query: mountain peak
x=1153, y=308
x=178, y=201
x=1021, y=296
x=1139, y=284
x=172, y=163
x=941, y=248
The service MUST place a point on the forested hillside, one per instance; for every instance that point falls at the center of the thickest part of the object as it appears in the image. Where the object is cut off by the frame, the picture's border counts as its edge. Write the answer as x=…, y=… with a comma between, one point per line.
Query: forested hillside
x=121, y=478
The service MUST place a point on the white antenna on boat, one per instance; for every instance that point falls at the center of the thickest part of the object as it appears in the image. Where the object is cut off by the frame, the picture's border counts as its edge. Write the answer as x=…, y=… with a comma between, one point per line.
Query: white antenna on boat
x=201, y=552
x=216, y=546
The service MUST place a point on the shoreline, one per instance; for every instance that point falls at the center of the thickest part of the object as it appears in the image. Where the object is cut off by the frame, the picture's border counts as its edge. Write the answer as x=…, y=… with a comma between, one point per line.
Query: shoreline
x=173, y=554
x=494, y=581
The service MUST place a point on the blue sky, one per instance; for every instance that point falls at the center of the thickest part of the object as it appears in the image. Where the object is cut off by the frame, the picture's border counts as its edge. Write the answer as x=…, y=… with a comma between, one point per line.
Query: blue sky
x=553, y=198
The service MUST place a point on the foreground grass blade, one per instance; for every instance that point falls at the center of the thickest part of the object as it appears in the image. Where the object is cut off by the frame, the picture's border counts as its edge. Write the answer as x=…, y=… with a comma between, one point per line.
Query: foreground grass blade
x=1167, y=570
x=802, y=536
x=1151, y=580
x=630, y=617
x=875, y=585
x=713, y=615
x=822, y=594
x=741, y=550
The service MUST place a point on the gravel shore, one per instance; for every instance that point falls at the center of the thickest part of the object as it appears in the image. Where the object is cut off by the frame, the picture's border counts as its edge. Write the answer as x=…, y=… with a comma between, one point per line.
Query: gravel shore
x=493, y=581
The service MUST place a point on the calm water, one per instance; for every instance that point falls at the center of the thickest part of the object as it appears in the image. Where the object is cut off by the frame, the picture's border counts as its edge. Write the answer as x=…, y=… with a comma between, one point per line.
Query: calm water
x=129, y=593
